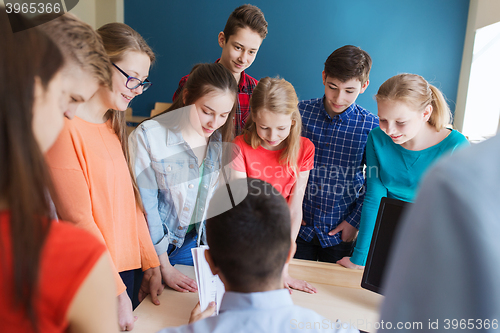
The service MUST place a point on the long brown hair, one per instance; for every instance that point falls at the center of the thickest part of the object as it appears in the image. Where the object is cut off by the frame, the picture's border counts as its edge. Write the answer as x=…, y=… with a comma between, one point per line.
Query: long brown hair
x=24, y=179
x=415, y=91
x=204, y=79
x=277, y=96
x=118, y=39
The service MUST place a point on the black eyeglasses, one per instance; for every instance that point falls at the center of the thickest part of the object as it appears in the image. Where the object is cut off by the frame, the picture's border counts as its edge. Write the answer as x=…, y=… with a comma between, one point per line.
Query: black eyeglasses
x=133, y=82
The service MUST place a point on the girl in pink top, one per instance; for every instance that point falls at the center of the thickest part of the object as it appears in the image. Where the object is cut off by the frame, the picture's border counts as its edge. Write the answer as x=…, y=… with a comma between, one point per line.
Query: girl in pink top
x=272, y=149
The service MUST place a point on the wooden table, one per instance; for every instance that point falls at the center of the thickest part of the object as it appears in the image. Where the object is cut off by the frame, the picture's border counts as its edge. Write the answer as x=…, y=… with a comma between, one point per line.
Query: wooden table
x=339, y=296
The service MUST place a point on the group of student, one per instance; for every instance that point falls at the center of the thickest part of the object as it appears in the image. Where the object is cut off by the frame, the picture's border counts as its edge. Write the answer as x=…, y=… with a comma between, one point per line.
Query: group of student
x=146, y=200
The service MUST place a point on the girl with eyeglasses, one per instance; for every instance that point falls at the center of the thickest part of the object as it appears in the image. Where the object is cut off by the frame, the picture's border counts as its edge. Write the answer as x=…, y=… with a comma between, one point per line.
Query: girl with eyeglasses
x=89, y=164
x=54, y=277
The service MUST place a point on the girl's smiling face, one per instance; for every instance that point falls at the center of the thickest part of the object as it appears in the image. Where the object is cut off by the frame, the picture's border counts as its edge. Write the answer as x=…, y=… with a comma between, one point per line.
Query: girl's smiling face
x=135, y=64
x=272, y=128
x=401, y=123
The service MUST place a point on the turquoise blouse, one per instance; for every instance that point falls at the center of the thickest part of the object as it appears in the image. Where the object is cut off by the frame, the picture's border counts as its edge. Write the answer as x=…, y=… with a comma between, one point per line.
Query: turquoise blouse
x=395, y=172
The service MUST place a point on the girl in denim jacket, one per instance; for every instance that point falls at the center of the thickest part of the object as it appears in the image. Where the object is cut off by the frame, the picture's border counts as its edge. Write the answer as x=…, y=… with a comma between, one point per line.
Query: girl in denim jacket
x=176, y=159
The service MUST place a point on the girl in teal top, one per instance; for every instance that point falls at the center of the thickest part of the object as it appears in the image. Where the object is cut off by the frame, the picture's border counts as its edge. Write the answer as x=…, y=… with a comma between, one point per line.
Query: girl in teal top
x=411, y=137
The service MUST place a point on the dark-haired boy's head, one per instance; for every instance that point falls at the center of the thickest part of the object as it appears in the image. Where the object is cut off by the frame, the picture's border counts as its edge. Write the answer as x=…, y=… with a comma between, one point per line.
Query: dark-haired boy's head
x=240, y=41
x=246, y=16
x=345, y=76
x=349, y=62
x=250, y=243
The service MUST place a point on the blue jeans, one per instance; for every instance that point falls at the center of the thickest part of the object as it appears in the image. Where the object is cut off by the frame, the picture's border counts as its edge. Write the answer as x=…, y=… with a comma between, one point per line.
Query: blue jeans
x=182, y=255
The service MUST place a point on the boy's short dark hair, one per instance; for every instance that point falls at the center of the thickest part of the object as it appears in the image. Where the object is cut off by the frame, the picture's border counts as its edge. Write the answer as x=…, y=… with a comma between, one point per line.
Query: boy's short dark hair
x=246, y=16
x=349, y=62
x=250, y=242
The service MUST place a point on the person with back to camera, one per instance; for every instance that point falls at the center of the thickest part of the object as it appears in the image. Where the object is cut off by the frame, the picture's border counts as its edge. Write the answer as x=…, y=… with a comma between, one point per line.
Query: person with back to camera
x=240, y=41
x=89, y=165
x=272, y=149
x=176, y=157
x=338, y=128
x=54, y=277
x=412, y=136
x=249, y=245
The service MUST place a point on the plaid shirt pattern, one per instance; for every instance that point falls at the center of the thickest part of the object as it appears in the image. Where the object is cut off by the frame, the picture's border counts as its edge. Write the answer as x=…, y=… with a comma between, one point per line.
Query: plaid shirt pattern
x=336, y=186
x=245, y=90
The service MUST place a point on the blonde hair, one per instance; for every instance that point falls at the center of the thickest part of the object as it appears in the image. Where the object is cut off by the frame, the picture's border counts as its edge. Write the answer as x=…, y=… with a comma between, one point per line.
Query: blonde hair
x=79, y=43
x=119, y=39
x=417, y=93
x=277, y=96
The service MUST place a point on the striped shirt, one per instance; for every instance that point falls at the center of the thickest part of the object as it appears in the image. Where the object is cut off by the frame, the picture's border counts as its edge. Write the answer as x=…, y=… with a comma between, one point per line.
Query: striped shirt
x=336, y=186
x=245, y=90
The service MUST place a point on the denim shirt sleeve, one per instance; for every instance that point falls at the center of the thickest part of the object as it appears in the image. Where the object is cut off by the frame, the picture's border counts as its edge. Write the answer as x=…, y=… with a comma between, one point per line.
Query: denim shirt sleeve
x=140, y=158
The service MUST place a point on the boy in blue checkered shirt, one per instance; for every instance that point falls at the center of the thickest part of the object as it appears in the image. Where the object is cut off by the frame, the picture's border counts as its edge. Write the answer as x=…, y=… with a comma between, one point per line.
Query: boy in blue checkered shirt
x=339, y=128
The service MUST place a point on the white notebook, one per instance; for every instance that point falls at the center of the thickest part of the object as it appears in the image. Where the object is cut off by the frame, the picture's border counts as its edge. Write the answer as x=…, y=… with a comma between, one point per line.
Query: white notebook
x=210, y=287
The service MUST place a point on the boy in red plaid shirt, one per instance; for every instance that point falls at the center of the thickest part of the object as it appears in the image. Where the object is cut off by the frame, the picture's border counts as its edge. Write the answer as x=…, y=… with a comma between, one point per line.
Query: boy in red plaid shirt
x=243, y=34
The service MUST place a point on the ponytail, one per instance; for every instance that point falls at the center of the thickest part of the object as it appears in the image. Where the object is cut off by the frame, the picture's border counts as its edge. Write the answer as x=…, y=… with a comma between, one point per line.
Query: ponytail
x=441, y=114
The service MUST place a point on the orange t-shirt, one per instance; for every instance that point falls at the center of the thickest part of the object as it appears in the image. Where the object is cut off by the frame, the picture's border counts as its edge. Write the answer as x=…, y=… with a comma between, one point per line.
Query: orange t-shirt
x=94, y=186
x=264, y=164
x=66, y=259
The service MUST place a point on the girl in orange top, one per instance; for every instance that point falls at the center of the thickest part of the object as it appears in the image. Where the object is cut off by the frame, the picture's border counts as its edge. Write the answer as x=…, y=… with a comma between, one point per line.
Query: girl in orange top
x=272, y=149
x=92, y=177
x=50, y=272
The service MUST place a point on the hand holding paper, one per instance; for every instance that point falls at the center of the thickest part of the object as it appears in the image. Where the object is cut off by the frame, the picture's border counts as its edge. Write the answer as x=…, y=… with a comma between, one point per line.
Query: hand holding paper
x=210, y=287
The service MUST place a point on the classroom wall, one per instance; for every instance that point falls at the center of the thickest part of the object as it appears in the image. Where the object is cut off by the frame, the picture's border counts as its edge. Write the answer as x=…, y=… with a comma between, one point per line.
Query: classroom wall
x=487, y=12
x=86, y=11
x=97, y=13
x=481, y=14
x=424, y=37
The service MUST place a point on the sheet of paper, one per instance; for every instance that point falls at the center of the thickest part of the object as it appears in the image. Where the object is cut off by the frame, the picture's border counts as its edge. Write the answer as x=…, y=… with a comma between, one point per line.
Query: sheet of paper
x=210, y=287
